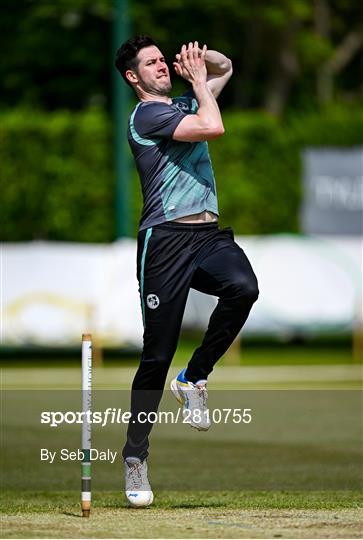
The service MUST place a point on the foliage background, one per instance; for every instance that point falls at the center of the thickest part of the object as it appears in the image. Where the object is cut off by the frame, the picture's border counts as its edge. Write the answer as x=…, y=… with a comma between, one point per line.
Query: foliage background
x=298, y=81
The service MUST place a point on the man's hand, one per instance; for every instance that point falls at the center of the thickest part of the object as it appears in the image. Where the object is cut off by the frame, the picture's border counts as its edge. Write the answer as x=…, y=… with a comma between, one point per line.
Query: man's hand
x=190, y=64
x=219, y=69
x=206, y=124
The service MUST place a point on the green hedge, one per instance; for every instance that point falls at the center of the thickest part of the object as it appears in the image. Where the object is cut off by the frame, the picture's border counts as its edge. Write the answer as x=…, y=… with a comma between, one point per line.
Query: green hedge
x=57, y=176
x=258, y=165
x=58, y=182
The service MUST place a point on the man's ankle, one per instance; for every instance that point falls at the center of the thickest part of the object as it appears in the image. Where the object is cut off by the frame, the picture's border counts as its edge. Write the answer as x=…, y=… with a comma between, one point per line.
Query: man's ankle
x=194, y=380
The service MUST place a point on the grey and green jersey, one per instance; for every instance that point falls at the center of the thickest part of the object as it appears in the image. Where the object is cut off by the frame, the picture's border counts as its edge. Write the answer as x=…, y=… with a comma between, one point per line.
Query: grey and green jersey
x=176, y=177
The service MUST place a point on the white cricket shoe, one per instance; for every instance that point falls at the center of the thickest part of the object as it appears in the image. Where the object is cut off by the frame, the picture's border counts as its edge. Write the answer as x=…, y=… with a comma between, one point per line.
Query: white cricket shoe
x=138, y=490
x=193, y=397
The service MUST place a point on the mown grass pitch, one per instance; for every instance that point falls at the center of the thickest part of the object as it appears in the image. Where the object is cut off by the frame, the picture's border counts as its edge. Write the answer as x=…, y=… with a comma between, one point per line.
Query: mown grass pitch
x=191, y=512
x=186, y=515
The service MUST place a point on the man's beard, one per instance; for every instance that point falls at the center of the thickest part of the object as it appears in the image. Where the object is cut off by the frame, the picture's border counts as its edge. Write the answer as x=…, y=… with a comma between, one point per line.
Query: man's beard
x=167, y=89
x=159, y=90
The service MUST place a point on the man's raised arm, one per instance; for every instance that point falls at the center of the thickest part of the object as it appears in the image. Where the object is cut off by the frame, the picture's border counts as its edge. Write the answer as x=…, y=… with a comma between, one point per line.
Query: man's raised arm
x=219, y=71
x=207, y=123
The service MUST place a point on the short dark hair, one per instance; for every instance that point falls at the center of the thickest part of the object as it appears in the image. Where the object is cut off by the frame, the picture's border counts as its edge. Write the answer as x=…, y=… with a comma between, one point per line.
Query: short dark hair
x=126, y=54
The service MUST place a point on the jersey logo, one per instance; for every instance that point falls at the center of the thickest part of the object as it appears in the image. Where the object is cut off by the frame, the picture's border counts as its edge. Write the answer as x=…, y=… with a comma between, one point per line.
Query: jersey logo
x=182, y=106
x=152, y=301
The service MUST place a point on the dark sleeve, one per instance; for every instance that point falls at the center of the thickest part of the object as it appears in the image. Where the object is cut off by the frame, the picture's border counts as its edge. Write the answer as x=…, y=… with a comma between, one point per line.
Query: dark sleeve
x=157, y=120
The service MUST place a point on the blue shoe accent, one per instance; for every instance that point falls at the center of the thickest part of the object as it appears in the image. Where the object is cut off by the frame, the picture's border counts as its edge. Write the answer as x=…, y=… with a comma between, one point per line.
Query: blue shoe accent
x=181, y=377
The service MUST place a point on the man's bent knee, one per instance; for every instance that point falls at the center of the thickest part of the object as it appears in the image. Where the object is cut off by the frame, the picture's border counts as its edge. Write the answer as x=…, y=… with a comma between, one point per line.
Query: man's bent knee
x=252, y=292
x=246, y=290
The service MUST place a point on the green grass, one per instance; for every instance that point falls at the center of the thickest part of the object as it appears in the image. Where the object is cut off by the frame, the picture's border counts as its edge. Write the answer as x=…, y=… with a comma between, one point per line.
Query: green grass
x=274, y=354
x=248, y=354
x=295, y=473
x=186, y=515
x=68, y=501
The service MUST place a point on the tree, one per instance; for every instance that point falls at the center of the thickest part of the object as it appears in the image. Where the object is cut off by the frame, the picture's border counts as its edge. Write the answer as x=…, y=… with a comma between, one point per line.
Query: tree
x=287, y=54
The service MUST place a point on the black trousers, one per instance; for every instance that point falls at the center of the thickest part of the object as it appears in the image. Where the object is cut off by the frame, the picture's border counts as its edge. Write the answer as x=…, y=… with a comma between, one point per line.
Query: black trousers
x=171, y=259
